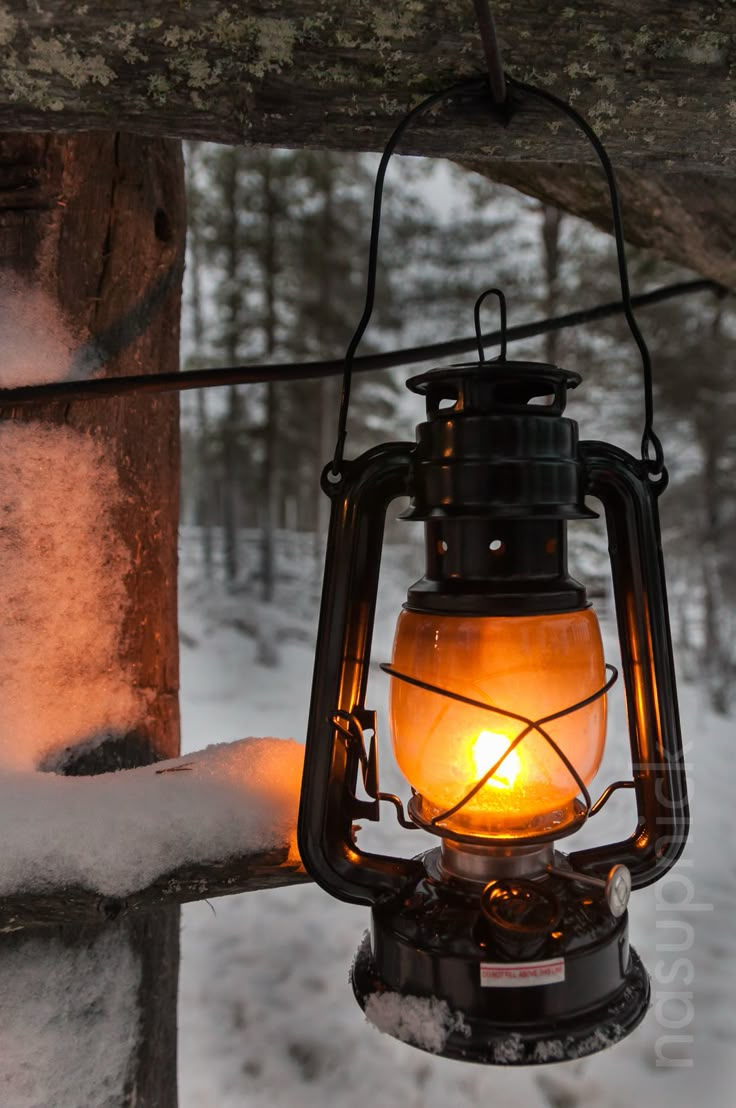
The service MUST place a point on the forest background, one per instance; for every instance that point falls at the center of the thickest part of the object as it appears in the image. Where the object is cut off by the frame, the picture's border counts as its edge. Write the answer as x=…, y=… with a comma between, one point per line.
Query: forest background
x=276, y=272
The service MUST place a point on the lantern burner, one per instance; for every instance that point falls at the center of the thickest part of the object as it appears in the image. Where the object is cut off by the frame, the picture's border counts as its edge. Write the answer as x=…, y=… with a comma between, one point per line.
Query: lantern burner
x=481, y=863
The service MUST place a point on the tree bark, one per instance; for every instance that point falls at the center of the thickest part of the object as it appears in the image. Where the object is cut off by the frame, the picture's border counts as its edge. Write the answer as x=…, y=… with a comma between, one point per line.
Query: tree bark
x=98, y=223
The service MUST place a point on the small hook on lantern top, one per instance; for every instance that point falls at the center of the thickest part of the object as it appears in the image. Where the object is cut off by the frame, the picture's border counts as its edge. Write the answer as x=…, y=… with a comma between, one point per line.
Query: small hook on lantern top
x=503, y=329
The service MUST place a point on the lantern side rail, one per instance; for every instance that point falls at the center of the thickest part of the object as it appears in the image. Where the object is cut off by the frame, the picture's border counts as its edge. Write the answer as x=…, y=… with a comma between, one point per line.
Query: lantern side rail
x=623, y=486
x=333, y=761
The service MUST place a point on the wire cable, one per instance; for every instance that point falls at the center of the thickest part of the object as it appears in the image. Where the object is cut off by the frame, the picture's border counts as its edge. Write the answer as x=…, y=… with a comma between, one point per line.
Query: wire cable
x=108, y=388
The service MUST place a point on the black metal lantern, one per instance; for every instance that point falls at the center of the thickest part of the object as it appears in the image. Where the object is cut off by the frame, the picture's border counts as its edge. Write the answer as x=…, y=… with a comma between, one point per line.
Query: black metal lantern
x=497, y=715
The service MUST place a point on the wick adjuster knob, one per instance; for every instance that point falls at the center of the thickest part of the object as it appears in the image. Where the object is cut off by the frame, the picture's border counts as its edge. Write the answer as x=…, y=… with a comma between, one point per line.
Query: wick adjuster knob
x=616, y=886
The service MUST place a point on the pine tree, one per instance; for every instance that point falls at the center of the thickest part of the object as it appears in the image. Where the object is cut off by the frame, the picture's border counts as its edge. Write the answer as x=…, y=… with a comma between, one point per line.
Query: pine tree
x=202, y=476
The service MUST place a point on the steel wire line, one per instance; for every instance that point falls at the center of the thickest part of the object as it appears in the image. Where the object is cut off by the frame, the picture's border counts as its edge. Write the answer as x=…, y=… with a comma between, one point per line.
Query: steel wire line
x=105, y=388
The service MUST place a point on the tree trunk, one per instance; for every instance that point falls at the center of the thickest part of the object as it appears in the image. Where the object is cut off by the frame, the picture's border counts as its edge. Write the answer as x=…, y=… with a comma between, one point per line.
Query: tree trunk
x=203, y=479
x=97, y=222
x=204, y=484
x=551, y=221
x=270, y=431
x=713, y=430
x=329, y=388
x=234, y=414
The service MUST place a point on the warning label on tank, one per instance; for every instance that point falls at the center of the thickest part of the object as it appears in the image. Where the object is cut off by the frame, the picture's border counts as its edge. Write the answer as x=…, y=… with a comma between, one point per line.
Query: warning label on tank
x=500, y=975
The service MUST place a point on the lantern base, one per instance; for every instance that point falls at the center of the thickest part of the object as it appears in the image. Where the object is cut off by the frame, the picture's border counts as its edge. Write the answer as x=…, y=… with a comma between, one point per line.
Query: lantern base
x=544, y=974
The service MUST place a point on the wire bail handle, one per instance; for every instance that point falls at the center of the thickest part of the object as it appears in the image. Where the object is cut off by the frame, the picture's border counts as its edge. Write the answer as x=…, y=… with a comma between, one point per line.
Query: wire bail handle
x=503, y=329
x=652, y=452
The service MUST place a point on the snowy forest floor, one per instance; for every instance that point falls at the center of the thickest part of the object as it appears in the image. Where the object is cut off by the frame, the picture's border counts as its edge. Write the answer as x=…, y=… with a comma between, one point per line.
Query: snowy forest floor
x=266, y=1015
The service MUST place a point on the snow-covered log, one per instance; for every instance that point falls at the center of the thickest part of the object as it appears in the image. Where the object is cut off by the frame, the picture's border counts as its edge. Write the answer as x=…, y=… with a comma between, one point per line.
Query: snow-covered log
x=85, y=850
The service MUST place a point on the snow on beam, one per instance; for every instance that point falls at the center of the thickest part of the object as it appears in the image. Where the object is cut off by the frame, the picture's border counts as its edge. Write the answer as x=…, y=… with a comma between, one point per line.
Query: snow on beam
x=85, y=849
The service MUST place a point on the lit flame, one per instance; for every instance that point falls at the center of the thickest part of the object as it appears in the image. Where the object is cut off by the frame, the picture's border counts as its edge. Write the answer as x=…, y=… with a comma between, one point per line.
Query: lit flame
x=485, y=752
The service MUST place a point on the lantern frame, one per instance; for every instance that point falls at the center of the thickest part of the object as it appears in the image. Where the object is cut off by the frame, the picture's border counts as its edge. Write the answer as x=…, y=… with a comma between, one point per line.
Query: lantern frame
x=518, y=901
x=435, y=918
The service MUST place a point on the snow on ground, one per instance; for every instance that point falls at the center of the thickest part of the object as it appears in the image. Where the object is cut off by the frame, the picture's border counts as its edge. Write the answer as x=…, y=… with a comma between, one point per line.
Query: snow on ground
x=267, y=1017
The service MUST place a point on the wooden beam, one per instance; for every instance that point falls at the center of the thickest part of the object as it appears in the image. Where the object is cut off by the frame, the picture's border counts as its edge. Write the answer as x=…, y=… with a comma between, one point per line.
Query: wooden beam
x=658, y=81
x=78, y=906
x=687, y=218
x=338, y=74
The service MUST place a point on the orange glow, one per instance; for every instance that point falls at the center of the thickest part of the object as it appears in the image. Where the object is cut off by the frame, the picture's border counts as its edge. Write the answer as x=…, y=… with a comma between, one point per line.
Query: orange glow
x=485, y=752
x=532, y=666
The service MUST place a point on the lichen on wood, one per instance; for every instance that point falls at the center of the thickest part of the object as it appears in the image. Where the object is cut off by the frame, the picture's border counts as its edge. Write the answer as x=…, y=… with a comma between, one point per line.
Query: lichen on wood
x=658, y=84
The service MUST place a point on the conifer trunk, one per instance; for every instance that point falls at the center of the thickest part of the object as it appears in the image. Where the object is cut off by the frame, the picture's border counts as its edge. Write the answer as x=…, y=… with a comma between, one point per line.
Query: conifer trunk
x=270, y=437
x=233, y=415
x=97, y=221
x=551, y=221
x=203, y=479
x=329, y=388
x=713, y=429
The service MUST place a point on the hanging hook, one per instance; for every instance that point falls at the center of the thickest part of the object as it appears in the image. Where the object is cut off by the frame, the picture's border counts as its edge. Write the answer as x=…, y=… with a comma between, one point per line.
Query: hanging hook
x=491, y=49
x=479, y=333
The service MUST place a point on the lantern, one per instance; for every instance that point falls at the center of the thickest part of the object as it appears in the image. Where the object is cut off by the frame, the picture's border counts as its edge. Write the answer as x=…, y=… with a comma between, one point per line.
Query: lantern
x=497, y=711
x=497, y=719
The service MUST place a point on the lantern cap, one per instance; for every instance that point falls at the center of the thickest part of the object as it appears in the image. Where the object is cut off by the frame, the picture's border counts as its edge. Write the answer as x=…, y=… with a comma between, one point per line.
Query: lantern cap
x=495, y=475
x=498, y=386
x=495, y=444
